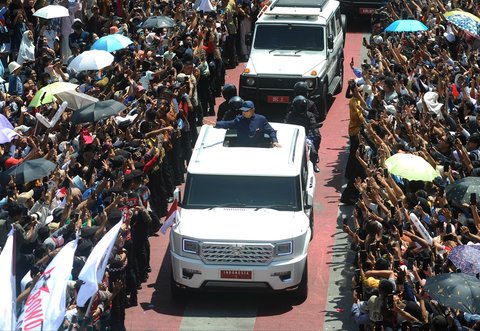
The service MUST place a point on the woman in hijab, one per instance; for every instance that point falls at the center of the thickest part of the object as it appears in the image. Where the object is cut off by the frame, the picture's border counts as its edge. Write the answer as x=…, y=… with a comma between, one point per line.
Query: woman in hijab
x=26, y=52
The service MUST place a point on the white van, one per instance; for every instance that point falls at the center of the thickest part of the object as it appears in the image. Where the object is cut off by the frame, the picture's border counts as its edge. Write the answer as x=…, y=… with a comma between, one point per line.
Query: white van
x=247, y=214
x=295, y=40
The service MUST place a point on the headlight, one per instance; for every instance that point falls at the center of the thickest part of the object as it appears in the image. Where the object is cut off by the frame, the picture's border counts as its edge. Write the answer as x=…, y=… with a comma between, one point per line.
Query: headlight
x=285, y=248
x=190, y=246
x=250, y=81
x=310, y=83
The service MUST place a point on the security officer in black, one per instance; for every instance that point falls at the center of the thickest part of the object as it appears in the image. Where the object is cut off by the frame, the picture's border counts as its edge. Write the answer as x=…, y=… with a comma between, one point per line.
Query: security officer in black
x=301, y=88
x=234, y=106
x=229, y=91
x=299, y=115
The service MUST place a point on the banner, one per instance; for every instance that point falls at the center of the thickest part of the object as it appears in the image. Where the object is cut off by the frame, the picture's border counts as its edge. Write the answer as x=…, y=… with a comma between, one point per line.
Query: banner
x=94, y=268
x=7, y=279
x=46, y=305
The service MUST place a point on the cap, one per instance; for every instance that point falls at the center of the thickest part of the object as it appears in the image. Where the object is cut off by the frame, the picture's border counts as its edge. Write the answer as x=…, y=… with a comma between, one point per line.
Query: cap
x=86, y=137
x=114, y=29
x=247, y=105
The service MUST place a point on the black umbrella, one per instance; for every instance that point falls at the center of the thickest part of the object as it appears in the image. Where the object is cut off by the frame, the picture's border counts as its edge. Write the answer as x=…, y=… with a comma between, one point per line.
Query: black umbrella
x=28, y=171
x=455, y=290
x=97, y=111
x=158, y=22
x=458, y=193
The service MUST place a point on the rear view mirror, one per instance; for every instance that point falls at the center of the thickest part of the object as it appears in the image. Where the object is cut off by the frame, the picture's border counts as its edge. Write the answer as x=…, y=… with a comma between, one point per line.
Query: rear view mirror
x=177, y=195
x=248, y=39
x=330, y=42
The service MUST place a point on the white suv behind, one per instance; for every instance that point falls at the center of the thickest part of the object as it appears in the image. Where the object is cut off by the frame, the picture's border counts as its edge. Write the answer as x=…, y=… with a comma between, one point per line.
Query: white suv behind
x=247, y=215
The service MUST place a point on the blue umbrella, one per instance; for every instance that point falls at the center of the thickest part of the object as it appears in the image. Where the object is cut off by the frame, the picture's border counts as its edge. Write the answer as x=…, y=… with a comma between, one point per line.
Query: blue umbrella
x=466, y=23
x=466, y=258
x=111, y=43
x=406, y=26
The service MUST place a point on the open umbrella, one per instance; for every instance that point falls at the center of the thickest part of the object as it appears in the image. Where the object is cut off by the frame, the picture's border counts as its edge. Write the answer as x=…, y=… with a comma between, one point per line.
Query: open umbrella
x=455, y=290
x=158, y=22
x=411, y=167
x=458, y=192
x=51, y=11
x=111, y=43
x=75, y=99
x=6, y=135
x=406, y=26
x=91, y=60
x=28, y=171
x=466, y=258
x=46, y=94
x=465, y=21
x=97, y=111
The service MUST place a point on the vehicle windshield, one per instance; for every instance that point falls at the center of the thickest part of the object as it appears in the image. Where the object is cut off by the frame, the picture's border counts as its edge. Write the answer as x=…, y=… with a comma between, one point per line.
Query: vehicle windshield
x=291, y=37
x=210, y=191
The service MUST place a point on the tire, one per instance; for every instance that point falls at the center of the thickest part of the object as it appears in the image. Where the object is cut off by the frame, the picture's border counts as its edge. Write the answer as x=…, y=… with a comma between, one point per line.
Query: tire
x=301, y=293
x=322, y=105
x=340, y=74
x=312, y=224
x=178, y=294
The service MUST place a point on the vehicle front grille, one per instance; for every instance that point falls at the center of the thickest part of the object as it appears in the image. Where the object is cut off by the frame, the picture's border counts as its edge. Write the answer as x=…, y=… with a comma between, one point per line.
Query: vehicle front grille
x=243, y=254
x=277, y=82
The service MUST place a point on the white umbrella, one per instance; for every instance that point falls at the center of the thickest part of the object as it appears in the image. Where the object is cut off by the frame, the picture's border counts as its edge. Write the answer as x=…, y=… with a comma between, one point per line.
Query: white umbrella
x=51, y=11
x=91, y=60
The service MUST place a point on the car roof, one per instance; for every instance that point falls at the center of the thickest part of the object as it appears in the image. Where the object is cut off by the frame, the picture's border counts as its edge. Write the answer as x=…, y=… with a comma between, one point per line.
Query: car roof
x=211, y=157
x=299, y=11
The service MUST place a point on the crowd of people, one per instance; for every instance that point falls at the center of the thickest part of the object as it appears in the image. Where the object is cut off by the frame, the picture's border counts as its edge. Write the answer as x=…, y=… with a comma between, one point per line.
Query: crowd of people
x=416, y=93
x=124, y=166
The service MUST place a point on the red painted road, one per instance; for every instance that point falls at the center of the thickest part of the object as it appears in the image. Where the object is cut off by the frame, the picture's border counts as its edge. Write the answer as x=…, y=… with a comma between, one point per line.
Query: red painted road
x=157, y=311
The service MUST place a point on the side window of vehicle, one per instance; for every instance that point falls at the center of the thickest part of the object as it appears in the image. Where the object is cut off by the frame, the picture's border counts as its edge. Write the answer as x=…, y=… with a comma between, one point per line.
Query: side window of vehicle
x=331, y=27
x=338, y=21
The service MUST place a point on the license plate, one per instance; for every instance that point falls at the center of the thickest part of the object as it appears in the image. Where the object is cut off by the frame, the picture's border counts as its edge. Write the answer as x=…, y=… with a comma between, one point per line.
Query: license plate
x=366, y=11
x=278, y=99
x=236, y=274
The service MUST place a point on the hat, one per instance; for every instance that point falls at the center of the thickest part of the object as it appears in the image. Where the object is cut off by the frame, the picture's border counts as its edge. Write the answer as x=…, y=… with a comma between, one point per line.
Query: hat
x=247, y=105
x=86, y=137
x=22, y=128
x=375, y=308
x=13, y=66
x=77, y=23
x=377, y=39
x=24, y=196
x=134, y=174
x=169, y=55
x=181, y=77
x=431, y=100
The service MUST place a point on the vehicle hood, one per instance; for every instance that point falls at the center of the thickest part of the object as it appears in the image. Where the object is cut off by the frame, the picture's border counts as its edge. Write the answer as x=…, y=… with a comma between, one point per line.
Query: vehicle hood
x=284, y=62
x=234, y=224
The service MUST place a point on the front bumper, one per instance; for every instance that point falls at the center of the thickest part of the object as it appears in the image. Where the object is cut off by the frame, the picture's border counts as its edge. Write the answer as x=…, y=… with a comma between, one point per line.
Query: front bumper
x=277, y=276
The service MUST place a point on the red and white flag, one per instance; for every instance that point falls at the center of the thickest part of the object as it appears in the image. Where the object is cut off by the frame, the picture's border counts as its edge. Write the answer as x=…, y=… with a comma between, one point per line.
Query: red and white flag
x=46, y=305
x=7, y=279
x=171, y=217
x=94, y=268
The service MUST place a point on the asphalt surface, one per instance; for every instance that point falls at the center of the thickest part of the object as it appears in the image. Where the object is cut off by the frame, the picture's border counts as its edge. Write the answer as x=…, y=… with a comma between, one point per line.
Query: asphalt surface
x=328, y=304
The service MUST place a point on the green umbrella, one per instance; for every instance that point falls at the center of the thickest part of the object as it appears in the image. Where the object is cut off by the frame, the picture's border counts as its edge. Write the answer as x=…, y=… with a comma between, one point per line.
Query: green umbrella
x=46, y=94
x=455, y=290
x=411, y=167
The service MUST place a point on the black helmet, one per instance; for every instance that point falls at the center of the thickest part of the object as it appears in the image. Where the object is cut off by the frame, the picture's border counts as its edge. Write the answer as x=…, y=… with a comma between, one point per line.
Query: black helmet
x=299, y=104
x=235, y=103
x=229, y=91
x=301, y=88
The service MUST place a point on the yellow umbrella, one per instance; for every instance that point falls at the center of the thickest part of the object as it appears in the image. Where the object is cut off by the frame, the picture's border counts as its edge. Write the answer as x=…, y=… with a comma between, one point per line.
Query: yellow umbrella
x=462, y=13
x=46, y=94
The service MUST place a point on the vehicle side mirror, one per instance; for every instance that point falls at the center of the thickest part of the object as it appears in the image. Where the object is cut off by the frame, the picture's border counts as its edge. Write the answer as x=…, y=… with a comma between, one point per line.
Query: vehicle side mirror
x=177, y=195
x=248, y=39
x=330, y=42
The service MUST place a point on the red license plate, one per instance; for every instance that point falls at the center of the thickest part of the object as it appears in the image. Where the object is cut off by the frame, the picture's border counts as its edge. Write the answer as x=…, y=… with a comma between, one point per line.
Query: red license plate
x=236, y=274
x=278, y=99
x=366, y=11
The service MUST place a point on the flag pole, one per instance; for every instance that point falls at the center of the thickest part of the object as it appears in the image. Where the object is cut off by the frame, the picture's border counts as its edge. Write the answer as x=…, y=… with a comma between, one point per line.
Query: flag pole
x=87, y=312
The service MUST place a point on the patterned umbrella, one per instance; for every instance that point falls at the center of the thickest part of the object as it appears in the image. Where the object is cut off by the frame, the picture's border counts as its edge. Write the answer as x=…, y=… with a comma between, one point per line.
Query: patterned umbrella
x=465, y=21
x=458, y=193
x=455, y=290
x=466, y=258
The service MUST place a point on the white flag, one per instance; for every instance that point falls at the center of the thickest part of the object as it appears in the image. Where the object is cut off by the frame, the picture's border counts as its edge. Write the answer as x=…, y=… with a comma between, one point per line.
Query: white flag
x=46, y=305
x=7, y=279
x=171, y=217
x=94, y=268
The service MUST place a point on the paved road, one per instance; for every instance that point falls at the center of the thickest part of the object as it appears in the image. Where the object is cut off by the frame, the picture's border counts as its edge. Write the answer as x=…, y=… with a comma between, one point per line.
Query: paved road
x=327, y=307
